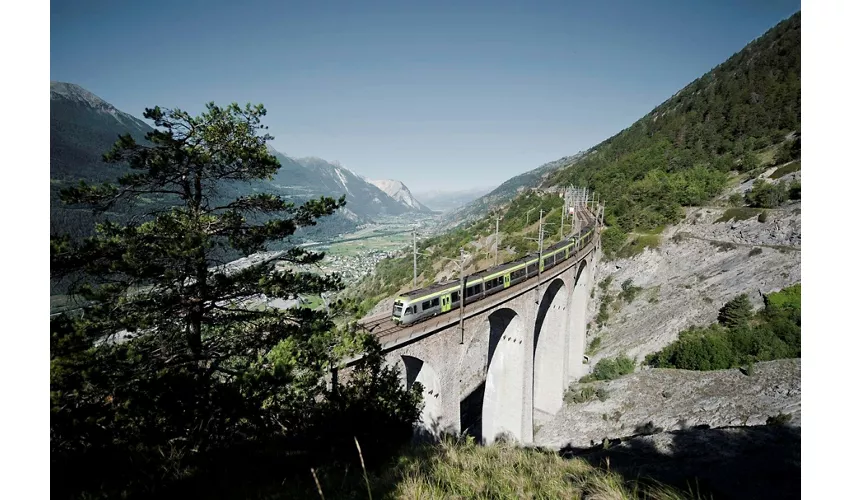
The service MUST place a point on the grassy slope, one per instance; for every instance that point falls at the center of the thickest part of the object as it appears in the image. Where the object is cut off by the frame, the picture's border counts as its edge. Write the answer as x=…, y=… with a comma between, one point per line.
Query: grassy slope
x=456, y=469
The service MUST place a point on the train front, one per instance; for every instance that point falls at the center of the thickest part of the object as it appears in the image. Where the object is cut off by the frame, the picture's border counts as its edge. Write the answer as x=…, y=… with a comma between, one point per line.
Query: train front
x=398, y=308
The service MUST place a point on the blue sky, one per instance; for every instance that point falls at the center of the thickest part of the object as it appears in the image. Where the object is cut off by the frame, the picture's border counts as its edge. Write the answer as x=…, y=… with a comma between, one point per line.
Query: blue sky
x=440, y=95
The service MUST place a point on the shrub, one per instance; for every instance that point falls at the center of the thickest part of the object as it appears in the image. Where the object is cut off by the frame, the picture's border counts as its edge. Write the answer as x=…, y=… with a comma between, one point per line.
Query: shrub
x=779, y=419
x=613, y=238
x=755, y=251
x=775, y=335
x=763, y=216
x=794, y=190
x=737, y=312
x=594, y=345
x=629, y=291
x=609, y=369
x=736, y=200
x=767, y=195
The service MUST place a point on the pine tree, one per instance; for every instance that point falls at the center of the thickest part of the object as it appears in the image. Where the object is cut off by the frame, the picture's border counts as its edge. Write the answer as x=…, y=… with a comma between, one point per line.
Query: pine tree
x=736, y=313
x=168, y=354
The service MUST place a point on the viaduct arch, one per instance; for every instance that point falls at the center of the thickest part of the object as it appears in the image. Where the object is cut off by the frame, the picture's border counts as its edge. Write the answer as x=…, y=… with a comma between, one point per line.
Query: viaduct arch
x=508, y=369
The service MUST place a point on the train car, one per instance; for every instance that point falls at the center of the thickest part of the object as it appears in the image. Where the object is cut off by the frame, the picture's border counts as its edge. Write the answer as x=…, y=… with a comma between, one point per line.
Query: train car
x=440, y=298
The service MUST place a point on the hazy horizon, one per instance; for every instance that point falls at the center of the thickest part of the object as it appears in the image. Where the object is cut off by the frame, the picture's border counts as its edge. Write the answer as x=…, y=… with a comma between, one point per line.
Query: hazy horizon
x=438, y=96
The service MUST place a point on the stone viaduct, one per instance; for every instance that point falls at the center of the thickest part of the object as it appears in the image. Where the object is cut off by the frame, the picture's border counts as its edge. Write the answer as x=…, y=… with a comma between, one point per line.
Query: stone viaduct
x=506, y=372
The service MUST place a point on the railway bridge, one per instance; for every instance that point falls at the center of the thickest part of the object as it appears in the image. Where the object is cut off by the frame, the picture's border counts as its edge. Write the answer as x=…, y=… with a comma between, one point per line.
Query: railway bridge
x=504, y=369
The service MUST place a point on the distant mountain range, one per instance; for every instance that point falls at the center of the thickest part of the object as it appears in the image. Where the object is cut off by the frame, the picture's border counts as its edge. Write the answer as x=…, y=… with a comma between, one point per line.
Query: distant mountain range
x=399, y=192
x=507, y=190
x=446, y=201
x=83, y=127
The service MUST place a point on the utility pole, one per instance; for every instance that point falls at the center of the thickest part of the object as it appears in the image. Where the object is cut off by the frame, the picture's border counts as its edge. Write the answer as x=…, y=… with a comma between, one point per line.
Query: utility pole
x=459, y=263
x=498, y=218
x=563, y=213
x=462, y=294
x=415, y=274
x=539, y=256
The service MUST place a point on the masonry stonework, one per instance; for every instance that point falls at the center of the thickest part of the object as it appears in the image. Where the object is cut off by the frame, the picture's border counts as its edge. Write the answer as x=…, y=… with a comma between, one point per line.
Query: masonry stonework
x=517, y=356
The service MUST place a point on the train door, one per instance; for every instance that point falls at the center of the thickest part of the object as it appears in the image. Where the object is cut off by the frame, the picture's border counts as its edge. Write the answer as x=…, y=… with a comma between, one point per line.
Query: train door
x=507, y=280
x=541, y=264
x=445, y=303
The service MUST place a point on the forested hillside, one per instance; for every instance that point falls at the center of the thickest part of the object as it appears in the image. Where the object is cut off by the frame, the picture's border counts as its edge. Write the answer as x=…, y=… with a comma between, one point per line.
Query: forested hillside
x=741, y=115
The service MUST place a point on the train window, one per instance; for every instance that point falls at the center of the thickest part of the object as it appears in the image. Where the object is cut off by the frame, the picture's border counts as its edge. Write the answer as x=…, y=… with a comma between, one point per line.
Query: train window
x=455, y=296
x=435, y=302
x=414, y=309
x=500, y=281
x=488, y=285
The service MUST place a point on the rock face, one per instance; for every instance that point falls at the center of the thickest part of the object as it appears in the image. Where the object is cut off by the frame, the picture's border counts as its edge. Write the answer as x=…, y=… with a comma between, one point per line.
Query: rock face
x=399, y=192
x=699, y=266
x=652, y=401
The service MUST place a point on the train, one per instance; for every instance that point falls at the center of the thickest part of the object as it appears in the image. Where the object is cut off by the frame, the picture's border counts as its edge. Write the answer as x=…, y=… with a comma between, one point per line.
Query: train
x=441, y=298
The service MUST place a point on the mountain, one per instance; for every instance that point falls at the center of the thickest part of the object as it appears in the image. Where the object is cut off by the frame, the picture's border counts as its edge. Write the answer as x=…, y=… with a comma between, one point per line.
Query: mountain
x=509, y=189
x=305, y=178
x=445, y=201
x=399, y=192
x=740, y=118
x=83, y=127
x=733, y=124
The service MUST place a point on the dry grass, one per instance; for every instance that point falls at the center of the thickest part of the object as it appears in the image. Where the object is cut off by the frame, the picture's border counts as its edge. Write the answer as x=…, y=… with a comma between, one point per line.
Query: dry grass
x=456, y=469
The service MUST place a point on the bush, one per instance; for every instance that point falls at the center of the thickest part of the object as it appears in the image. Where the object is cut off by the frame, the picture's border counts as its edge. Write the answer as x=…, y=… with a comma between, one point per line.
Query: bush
x=775, y=335
x=594, y=345
x=629, y=291
x=755, y=251
x=638, y=244
x=767, y=195
x=736, y=200
x=613, y=238
x=794, y=190
x=609, y=369
x=763, y=216
x=779, y=419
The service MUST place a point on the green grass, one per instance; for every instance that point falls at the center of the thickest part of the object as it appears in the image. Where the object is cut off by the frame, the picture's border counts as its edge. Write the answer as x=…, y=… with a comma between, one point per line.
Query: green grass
x=738, y=213
x=456, y=468
x=638, y=244
x=312, y=302
x=787, y=169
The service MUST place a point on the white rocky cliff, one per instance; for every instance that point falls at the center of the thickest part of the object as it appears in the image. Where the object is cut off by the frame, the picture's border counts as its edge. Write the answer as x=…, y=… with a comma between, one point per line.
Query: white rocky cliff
x=399, y=192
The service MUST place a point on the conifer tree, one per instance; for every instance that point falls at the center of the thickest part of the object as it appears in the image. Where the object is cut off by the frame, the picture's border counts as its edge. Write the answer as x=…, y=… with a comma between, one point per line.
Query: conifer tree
x=168, y=353
x=736, y=313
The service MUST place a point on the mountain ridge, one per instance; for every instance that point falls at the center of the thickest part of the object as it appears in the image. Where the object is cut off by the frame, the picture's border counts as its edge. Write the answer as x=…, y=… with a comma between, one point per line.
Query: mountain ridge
x=84, y=126
x=398, y=191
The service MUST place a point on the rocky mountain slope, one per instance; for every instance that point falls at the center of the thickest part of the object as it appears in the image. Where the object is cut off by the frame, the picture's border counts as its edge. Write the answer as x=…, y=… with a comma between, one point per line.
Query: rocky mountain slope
x=699, y=266
x=305, y=178
x=82, y=128
x=400, y=193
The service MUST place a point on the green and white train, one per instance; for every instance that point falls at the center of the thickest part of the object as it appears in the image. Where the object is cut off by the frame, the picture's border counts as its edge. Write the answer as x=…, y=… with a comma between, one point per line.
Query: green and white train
x=425, y=303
